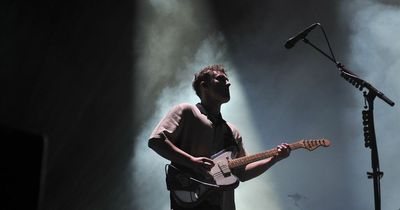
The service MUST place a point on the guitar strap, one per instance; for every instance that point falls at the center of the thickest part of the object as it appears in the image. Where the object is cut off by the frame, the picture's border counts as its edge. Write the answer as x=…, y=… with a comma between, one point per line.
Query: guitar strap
x=178, y=179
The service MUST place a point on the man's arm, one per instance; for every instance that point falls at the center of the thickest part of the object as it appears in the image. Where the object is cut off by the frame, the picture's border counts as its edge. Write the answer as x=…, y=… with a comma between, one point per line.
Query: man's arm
x=255, y=169
x=168, y=150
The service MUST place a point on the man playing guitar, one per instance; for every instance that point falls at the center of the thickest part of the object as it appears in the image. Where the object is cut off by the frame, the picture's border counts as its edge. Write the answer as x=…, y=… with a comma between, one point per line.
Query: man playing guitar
x=190, y=136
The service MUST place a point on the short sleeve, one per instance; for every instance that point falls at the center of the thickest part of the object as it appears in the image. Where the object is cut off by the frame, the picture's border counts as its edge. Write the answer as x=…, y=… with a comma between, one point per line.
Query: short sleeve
x=170, y=126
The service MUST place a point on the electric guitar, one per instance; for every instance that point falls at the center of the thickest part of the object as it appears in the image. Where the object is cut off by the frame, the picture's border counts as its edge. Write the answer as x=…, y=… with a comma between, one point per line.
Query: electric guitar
x=189, y=189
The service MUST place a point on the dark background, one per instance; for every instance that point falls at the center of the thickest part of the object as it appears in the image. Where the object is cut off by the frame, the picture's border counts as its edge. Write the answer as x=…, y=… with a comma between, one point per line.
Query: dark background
x=66, y=76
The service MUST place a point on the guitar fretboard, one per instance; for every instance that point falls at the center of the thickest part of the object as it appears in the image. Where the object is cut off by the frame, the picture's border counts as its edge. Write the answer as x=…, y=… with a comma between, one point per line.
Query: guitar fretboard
x=308, y=144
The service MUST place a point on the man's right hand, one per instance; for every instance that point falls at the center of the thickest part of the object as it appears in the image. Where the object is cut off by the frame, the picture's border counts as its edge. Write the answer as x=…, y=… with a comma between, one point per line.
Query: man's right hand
x=202, y=165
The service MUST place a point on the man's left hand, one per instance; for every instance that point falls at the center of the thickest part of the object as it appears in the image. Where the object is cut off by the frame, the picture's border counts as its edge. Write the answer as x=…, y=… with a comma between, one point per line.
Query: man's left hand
x=283, y=151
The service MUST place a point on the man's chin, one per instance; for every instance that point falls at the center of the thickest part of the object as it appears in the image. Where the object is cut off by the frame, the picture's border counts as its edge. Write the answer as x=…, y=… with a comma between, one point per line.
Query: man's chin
x=226, y=100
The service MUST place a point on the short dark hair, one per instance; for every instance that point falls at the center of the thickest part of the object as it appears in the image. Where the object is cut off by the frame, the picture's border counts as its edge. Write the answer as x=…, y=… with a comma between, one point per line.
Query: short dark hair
x=205, y=75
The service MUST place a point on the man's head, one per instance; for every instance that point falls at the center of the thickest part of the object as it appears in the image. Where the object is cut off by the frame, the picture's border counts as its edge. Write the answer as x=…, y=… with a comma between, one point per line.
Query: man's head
x=212, y=81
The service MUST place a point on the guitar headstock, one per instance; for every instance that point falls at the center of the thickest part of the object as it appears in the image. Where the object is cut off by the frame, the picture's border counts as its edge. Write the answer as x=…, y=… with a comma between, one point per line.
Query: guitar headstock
x=314, y=144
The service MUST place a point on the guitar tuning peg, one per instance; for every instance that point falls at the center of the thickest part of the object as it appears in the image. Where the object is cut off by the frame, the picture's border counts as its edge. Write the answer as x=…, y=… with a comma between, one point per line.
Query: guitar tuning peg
x=323, y=142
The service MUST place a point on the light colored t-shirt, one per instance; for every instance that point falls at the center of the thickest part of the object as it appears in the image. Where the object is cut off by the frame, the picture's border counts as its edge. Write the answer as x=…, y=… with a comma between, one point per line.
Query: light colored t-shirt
x=193, y=131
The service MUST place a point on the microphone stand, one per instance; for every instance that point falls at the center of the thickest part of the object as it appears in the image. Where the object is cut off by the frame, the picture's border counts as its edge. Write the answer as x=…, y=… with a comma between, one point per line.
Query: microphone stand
x=367, y=115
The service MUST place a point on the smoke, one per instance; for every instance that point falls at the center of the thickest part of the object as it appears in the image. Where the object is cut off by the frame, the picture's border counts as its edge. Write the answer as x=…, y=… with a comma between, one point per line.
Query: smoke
x=174, y=46
x=277, y=95
x=374, y=55
x=166, y=35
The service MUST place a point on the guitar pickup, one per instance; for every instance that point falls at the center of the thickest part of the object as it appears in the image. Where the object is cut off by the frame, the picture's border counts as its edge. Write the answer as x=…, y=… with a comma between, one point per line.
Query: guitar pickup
x=224, y=169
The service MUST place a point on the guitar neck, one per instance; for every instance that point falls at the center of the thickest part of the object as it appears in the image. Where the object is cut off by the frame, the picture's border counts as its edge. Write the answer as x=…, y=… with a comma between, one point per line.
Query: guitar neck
x=242, y=161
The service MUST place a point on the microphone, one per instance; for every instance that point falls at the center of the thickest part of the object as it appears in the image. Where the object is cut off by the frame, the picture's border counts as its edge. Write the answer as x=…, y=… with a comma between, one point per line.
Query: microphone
x=292, y=41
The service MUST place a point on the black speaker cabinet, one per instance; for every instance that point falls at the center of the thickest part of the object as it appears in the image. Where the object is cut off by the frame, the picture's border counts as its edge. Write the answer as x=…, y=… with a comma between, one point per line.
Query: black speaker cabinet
x=22, y=158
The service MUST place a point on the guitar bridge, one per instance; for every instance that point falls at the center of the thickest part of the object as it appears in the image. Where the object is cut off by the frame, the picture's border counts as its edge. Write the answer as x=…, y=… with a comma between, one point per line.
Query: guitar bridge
x=224, y=169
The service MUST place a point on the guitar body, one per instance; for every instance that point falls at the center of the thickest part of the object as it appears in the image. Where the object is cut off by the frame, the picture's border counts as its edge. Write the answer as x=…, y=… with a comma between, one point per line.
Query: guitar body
x=220, y=178
x=221, y=172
